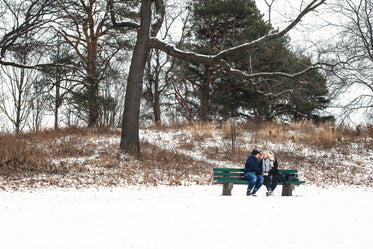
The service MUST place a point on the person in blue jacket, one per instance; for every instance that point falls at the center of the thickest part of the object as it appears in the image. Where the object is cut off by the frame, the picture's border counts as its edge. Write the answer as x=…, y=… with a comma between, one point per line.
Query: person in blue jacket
x=253, y=173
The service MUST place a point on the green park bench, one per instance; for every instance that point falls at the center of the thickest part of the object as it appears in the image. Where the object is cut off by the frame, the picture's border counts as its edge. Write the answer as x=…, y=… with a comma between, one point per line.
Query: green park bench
x=230, y=176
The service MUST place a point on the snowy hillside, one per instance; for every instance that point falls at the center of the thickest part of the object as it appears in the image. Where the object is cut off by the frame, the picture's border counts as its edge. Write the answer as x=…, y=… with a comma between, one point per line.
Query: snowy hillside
x=351, y=163
x=183, y=155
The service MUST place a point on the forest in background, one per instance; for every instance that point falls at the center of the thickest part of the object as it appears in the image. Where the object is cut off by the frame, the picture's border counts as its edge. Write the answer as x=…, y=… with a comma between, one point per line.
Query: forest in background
x=94, y=63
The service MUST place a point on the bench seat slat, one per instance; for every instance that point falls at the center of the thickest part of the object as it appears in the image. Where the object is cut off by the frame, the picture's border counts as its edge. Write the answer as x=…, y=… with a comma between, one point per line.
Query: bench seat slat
x=288, y=170
x=228, y=170
x=296, y=182
x=226, y=178
x=227, y=174
x=237, y=181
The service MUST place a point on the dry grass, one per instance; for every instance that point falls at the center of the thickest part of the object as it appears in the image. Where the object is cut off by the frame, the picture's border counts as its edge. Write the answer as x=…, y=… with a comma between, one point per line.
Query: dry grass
x=320, y=136
x=170, y=167
x=82, y=158
x=20, y=156
x=200, y=131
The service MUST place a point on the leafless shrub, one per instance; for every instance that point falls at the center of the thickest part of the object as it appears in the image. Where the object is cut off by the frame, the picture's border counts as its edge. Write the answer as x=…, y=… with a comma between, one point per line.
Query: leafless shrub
x=232, y=132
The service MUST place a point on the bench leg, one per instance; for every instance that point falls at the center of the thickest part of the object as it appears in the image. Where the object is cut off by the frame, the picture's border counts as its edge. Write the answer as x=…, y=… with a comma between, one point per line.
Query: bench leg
x=227, y=188
x=287, y=189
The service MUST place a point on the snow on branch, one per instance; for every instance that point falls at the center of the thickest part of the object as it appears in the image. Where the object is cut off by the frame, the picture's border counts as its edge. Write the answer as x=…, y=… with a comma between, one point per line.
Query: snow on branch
x=195, y=57
x=270, y=74
x=178, y=53
x=116, y=24
x=36, y=66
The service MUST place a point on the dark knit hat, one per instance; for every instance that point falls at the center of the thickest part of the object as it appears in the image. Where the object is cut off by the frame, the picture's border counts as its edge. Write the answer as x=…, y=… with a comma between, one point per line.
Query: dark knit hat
x=255, y=152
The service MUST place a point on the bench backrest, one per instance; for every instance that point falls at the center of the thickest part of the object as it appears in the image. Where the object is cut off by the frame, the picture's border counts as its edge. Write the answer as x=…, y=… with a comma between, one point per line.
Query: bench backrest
x=235, y=175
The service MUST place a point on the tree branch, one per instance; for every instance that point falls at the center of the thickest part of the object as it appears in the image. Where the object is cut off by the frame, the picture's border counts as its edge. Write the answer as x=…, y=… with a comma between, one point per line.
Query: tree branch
x=206, y=59
x=270, y=74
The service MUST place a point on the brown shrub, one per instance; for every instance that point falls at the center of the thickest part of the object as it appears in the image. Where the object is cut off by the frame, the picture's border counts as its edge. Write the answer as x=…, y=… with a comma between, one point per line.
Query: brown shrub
x=19, y=156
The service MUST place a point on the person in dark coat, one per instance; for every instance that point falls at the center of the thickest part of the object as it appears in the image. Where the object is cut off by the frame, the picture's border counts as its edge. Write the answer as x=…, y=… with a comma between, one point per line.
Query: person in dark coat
x=269, y=167
x=253, y=173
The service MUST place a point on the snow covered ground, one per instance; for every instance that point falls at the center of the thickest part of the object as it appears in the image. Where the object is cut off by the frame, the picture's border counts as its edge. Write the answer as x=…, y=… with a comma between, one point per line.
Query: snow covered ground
x=186, y=217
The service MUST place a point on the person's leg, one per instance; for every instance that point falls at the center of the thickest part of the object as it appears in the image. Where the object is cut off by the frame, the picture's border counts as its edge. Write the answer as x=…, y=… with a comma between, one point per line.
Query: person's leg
x=258, y=183
x=252, y=178
x=267, y=182
x=269, y=185
x=274, y=182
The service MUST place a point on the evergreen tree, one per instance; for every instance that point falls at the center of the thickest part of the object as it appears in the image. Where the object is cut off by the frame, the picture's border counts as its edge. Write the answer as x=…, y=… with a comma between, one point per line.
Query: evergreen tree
x=220, y=24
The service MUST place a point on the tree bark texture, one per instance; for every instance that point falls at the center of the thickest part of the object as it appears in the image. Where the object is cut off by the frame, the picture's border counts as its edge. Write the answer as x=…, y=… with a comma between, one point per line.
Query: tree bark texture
x=157, y=105
x=91, y=35
x=130, y=126
x=205, y=97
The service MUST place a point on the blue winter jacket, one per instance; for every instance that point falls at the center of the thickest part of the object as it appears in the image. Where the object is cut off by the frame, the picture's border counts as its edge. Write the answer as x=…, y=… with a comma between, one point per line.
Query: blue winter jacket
x=252, y=165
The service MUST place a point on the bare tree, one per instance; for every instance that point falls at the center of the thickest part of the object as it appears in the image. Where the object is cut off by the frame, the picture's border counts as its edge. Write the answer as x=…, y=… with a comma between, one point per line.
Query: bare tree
x=15, y=103
x=182, y=94
x=354, y=48
x=113, y=91
x=38, y=104
x=18, y=87
x=22, y=31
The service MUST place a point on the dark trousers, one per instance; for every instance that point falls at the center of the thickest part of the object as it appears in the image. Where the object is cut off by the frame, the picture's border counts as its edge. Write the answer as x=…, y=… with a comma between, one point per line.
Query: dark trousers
x=271, y=182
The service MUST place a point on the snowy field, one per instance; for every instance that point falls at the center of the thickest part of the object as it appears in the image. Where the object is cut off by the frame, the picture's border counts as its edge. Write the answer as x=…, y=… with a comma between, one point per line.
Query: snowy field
x=186, y=217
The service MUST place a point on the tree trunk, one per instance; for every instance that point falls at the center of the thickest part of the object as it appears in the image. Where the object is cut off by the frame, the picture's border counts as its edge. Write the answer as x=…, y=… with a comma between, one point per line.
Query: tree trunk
x=156, y=104
x=205, y=98
x=57, y=104
x=19, y=106
x=153, y=95
x=93, y=82
x=17, y=123
x=93, y=105
x=130, y=126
